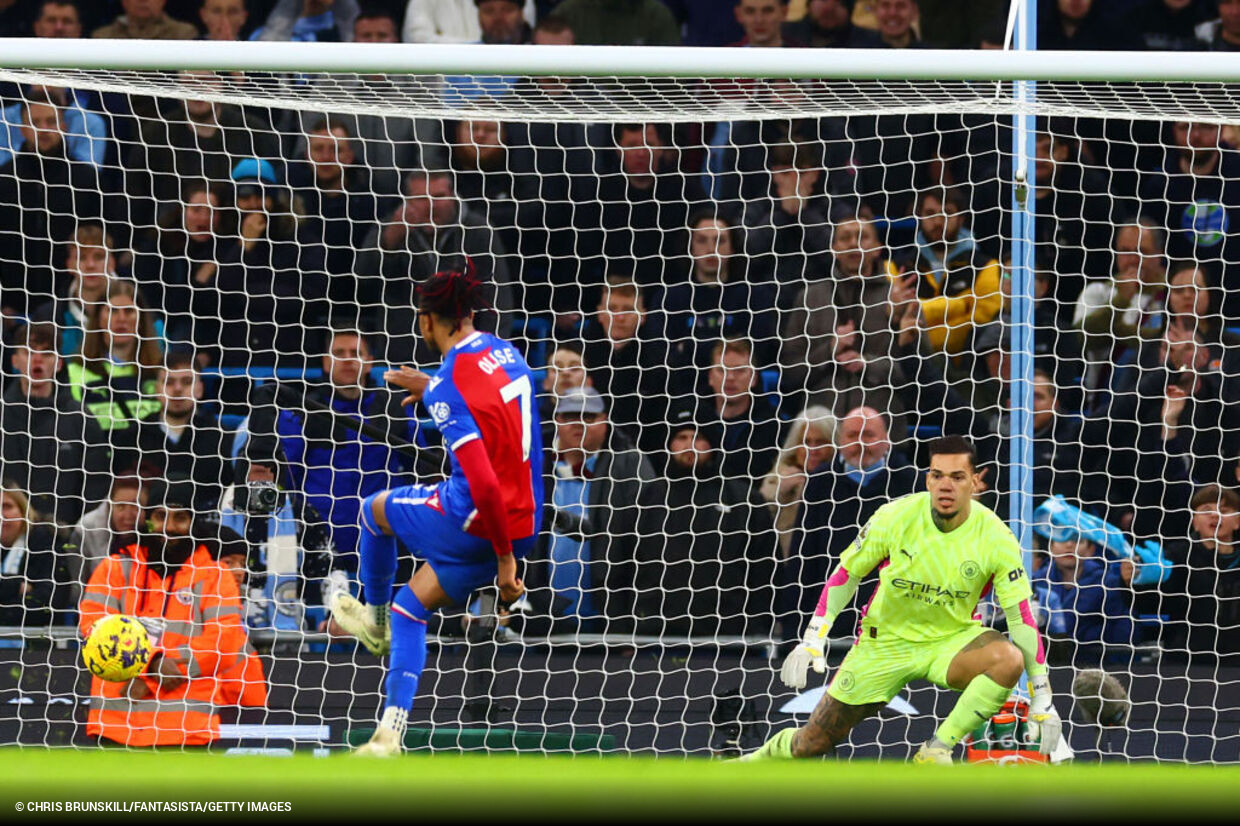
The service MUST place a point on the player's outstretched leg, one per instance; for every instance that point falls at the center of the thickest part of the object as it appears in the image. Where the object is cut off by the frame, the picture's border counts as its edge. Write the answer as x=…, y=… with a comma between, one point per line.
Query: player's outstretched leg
x=984, y=671
x=369, y=622
x=828, y=726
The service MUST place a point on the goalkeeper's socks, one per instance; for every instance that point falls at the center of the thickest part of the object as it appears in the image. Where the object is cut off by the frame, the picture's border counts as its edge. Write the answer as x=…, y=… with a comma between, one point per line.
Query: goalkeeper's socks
x=778, y=747
x=377, y=568
x=408, y=655
x=978, y=702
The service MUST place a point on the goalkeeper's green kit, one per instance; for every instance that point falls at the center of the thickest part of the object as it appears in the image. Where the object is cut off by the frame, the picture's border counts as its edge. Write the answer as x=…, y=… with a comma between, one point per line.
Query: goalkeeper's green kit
x=922, y=613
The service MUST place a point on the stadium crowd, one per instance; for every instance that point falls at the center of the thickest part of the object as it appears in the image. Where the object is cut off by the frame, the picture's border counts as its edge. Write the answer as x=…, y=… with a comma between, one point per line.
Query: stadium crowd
x=746, y=328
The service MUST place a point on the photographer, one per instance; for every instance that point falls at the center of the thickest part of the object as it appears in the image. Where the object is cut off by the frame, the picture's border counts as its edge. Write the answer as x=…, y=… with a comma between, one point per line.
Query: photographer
x=287, y=545
x=328, y=460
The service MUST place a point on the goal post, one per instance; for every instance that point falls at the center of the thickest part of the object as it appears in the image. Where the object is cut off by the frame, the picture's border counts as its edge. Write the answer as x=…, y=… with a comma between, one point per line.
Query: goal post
x=652, y=222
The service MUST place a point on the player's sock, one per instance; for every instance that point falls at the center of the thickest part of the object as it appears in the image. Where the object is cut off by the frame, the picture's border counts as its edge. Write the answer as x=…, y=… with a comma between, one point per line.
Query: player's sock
x=977, y=703
x=778, y=747
x=377, y=568
x=408, y=655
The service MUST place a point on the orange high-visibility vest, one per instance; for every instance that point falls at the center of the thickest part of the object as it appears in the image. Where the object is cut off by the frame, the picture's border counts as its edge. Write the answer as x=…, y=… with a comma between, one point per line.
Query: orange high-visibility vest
x=203, y=635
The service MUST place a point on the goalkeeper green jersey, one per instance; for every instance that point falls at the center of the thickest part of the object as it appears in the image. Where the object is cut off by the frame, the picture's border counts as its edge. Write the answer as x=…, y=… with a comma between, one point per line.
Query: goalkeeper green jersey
x=930, y=581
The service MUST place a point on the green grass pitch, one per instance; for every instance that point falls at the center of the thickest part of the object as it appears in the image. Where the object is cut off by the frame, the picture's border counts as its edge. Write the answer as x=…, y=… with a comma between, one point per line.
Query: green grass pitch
x=523, y=788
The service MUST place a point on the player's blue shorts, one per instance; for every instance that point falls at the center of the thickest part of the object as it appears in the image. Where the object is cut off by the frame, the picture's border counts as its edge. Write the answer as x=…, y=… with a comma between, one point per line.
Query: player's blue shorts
x=463, y=562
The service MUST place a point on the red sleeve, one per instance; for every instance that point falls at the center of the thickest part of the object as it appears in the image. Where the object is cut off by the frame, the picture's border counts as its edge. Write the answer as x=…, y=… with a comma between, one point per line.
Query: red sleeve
x=484, y=486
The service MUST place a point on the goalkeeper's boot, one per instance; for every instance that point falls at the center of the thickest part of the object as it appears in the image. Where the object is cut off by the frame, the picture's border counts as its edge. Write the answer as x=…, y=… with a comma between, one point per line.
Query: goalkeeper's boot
x=359, y=620
x=388, y=739
x=778, y=747
x=932, y=754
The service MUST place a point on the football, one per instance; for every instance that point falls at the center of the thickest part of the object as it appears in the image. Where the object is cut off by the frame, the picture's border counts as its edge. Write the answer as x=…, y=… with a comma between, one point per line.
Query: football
x=117, y=649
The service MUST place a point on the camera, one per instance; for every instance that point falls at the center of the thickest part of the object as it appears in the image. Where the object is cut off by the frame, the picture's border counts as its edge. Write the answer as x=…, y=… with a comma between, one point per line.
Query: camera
x=257, y=498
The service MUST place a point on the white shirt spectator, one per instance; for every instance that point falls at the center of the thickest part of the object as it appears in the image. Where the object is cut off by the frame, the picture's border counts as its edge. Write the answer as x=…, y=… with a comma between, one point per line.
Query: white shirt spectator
x=447, y=21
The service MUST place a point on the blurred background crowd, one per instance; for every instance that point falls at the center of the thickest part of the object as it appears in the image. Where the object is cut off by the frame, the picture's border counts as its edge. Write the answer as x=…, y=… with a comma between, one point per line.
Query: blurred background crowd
x=745, y=328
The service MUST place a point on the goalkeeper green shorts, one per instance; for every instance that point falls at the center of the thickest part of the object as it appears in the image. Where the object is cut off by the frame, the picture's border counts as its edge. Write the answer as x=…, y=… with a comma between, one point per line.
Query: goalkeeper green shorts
x=879, y=666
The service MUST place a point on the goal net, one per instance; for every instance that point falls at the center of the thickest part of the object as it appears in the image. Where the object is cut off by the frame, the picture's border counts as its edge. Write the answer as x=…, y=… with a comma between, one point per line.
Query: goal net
x=751, y=302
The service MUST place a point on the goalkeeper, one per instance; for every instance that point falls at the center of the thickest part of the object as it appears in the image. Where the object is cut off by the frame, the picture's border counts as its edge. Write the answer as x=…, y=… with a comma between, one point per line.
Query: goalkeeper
x=938, y=552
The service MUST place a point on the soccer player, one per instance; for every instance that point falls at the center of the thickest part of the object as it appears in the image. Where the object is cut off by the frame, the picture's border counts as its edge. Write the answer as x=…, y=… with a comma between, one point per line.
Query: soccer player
x=469, y=529
x=938, y=552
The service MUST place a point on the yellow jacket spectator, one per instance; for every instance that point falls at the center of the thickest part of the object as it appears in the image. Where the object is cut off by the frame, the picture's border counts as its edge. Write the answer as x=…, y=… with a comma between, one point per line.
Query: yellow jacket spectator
x=958, y=285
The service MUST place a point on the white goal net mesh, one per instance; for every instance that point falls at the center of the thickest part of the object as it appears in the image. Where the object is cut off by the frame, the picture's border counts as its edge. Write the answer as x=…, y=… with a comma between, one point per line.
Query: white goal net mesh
x=779, y=290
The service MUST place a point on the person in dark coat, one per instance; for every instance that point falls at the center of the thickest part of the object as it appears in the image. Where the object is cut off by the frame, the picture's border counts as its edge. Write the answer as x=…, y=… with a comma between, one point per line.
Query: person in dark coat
x=41, y=436
x=709, y=569
x=839, y=499
x=1202, y=595
x=31, y=580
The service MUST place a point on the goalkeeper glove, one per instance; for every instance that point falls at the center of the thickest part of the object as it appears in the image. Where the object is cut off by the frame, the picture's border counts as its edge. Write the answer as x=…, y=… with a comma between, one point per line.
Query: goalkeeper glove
x=1043, y=723
x=811, y=651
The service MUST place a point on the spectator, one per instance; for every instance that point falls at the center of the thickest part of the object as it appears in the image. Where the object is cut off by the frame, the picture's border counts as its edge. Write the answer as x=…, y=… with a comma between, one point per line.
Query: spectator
x=90, y=264
x=500, y=23
x=895, y=23
x=1202, y=597
x=809, y=445
x=309, y=21
x=57, y=18
x=1085, y=595
x=546, y=157
x=702, y=24
x=428, y=231
x=1196, y=195
x=271, y=291
x=958, y=283
x=1166, y=434
x=182, y=441
x=30, y=573
x=607, y=498
x=146, y=20
x=195, y=234
x=104, y=530
x=85, y=133
x=746, y=419
x=1191, y=304
x=1223, y=34
x=627, y=359
x=1170, y=25
x=636, y=204
x=828, y=25
x=286, y=549
x=839, y=496
x=114, y=381
x=223, y=19
x=483, y=169
x=44, y=192
x=762, y=22
x=620, y=22
x=197, y=641
x=709, y=570
x=42, y=439
x=1084, y=25
x=792, y=219
x=191, y=140
x=1073, y=217
x=386, y=145
x=449, y=21
x=333, y=465
x=1115, y=315
x=334, y=198
x=565, y=371
x=1056, y=446
x=718, y=297
x=837, y=336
